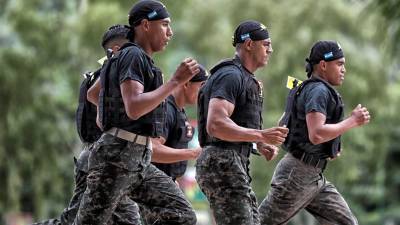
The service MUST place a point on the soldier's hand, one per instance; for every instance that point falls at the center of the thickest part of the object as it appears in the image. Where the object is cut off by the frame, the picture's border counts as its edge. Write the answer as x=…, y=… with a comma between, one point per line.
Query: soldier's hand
x=274, y=135
x=186, y=70
x=195, y=153
x=267, y=150
x=360, y=115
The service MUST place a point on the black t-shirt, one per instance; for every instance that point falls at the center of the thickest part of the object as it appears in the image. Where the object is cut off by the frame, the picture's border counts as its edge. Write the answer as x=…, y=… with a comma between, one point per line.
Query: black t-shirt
x=227, y=85
x=134, y=64
x=230, y=81
x=177, y=133
x=170, y=120
x=315, y=97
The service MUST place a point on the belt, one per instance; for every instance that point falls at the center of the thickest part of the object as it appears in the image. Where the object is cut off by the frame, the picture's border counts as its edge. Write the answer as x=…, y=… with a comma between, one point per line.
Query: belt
x=129, y=136
x=244, y=149
x=310, y=159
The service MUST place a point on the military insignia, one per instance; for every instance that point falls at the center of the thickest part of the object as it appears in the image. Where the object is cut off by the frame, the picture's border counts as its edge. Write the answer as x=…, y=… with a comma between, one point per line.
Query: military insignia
x=189, y=129
x=263, y=26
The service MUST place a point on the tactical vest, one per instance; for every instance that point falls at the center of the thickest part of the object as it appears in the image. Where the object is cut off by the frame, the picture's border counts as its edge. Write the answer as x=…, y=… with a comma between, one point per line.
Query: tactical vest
x=111, y=106
x=86, y=113
x=297, y=139
x=179, y=137
x=248, y=106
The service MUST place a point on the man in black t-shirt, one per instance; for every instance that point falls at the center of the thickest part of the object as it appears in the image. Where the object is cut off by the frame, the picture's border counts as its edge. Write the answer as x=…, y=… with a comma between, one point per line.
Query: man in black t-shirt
x=314, y=116
x=131, y=111
x=171, y=149
x=127, y=212
x=229, y=118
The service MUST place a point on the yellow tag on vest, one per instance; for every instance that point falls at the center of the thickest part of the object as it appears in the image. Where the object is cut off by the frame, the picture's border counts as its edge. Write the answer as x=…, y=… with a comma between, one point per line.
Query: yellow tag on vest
x=292, y=82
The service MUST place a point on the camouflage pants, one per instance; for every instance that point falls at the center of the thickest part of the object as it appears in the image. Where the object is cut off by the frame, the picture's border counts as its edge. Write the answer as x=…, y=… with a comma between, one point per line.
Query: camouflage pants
x=127, y=212
x=118, y=168
x=295, y=186
x=223, y=176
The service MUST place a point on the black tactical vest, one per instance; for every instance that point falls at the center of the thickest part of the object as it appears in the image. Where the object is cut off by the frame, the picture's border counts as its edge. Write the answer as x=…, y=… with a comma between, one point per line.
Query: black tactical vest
x=111, y=106
x=297, y=139
x=86, y=113
x=179, y=137
x=248, y=106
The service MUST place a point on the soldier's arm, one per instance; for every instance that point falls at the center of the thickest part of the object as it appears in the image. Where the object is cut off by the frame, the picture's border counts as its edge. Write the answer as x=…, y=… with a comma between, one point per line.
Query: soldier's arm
x=220, y=125
x=93, y=93
x=320, y=132
x=165, y=154
x=138, y=103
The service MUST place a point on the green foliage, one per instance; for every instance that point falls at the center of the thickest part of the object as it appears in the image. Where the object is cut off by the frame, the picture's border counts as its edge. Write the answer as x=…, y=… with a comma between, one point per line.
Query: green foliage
x=46, y=44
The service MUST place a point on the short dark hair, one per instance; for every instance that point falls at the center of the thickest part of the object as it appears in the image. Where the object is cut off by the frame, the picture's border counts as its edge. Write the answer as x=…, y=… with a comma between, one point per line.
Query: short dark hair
x=115, y=32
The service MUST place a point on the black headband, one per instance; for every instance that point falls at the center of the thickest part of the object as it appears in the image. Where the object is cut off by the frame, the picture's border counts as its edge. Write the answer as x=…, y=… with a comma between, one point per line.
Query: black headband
x=148, y=9
x=249, y=30
x=323, y=50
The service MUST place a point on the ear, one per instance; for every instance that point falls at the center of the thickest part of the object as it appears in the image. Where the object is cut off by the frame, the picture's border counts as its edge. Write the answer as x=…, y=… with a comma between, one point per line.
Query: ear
x=115, y=48
x=248, y=44
x=146, y=24
x=322, y=63
x=186, y=85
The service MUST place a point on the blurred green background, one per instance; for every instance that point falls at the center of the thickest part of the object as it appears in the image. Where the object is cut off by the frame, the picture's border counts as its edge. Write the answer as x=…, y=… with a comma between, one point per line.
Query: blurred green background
x=46, y=44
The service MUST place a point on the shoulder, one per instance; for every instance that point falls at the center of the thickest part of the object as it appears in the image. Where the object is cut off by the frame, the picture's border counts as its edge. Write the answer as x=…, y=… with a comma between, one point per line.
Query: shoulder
x=132, y=51
x=316, y=88
x=229, y=73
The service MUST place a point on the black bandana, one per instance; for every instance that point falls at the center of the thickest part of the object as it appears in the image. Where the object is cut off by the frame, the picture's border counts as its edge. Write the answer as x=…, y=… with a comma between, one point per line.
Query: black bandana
x=147, y=9
x=323, y=50
x=200, y=76
x=249, y=29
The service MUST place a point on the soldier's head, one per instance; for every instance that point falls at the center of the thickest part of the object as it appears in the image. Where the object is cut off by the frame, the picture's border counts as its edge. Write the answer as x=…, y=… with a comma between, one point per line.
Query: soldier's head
x=326, y=60
x=114, y=38
x=253, y=44
x=150, y=22
x=190, y=90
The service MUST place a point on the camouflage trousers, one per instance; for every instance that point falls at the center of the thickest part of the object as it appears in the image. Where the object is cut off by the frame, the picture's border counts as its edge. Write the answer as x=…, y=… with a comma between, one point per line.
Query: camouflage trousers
x=297, y=186
x=118, y=168
x=127, y=212
x=223, y=176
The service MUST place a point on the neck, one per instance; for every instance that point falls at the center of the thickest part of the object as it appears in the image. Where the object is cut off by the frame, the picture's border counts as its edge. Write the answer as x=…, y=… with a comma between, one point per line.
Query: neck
x=319, y=75
x=144, y=45
x=247, y=62
x=179, y=99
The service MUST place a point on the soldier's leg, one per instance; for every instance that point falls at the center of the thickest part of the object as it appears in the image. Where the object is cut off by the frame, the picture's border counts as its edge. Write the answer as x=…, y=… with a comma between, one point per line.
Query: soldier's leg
x=222, y=176
x=162, y=200
x=111, y=172
x=81, y=169
x=68, y=214
x=293, y=187
x=330, y=208
x=126, y=213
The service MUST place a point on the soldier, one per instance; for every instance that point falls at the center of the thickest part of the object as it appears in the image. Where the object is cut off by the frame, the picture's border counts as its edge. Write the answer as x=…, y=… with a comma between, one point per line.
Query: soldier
x=313, y=114
x=230, y=108
x=178, y=131
x=131, y=110
x=127, y=211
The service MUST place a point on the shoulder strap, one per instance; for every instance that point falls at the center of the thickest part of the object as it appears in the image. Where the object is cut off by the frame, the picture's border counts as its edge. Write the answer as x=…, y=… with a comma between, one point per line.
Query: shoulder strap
x=226, y=62
x=290, y=101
